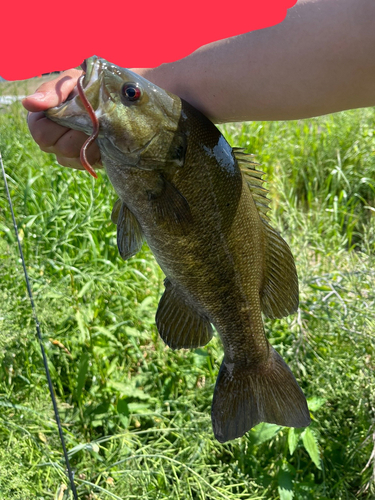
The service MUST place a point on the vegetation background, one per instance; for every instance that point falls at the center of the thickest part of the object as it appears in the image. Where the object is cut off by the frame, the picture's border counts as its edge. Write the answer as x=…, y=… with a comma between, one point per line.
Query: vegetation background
x=137, y=414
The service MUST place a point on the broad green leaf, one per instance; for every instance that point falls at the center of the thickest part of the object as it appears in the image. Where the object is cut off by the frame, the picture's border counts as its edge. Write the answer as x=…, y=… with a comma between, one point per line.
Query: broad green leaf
x=264, y=432
x=315, y=403
x=139, y=408
x=122, y=407
x=285, y=485
x=311, y=444
x=200, y=358
x=293, y=438
x=100, y=409
x=128, y=390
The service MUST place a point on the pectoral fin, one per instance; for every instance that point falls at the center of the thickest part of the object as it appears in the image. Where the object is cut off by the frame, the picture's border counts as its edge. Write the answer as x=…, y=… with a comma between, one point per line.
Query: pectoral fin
x=115, y=211
x=129, y=232
x=180, y=323
x=170, y=208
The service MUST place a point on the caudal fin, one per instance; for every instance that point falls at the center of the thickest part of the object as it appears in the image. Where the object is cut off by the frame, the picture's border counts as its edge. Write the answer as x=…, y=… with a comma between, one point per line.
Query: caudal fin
x=244, y=397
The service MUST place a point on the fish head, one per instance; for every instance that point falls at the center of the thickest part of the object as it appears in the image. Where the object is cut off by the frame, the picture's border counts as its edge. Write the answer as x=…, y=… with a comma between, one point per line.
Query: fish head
x=137, y=120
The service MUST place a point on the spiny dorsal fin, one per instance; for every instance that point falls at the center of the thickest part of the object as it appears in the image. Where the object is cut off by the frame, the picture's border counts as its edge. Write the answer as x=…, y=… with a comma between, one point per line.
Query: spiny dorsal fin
x=254, y=180
x=279, y=293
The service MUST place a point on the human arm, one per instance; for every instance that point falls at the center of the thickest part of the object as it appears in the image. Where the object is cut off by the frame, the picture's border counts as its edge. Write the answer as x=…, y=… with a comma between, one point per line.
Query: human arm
x=320, y=59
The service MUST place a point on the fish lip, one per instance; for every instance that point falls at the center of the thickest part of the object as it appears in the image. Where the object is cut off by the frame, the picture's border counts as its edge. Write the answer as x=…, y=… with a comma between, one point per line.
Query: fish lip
x=90, y=66
x=72, y=113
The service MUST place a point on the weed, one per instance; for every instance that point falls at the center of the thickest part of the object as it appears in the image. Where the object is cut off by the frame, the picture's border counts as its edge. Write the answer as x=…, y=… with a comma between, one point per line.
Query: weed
x=136, y=414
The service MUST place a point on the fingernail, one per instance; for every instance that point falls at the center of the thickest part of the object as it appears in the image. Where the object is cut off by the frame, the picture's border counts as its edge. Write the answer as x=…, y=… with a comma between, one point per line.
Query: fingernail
x=39, y=96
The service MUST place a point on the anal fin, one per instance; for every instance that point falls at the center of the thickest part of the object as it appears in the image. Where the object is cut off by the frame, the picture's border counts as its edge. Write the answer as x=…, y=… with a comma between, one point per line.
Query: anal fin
x=180, y=324
x=246, y=396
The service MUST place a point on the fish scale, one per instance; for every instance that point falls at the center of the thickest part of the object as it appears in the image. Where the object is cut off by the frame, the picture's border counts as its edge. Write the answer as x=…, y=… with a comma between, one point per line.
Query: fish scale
x=202, y=209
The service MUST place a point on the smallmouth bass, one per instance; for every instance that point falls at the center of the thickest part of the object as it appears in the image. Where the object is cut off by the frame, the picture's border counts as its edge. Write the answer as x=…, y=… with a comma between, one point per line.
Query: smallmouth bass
x=201, y=207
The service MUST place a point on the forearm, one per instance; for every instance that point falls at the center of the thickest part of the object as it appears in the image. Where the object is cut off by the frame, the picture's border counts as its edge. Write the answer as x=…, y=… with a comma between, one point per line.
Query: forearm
x=320, y=59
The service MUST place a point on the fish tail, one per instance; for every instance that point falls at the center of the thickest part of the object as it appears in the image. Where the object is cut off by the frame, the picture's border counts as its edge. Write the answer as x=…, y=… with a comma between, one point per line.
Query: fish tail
x=266, y=392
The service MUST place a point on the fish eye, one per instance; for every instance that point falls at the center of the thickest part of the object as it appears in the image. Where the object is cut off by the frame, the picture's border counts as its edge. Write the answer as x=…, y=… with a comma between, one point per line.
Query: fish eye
x=131, y=92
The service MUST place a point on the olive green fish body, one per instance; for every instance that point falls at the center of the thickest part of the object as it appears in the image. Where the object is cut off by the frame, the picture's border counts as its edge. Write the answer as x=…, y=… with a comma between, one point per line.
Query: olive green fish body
x=220, y=254
x=200, y=206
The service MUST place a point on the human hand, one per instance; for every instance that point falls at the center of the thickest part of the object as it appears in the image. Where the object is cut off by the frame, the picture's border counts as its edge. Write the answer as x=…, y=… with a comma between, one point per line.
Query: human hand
x=65, y=143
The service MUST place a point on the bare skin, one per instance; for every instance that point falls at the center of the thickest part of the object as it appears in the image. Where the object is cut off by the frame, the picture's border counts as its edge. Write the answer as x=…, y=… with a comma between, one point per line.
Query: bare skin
x=319, y=60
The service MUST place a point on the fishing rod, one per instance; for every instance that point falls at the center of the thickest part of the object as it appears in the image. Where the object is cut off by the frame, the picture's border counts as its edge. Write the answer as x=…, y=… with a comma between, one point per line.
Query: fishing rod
x=37, y=324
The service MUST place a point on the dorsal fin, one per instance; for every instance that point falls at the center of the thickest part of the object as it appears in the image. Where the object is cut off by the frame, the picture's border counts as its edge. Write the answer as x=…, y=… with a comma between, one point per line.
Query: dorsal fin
x=254, y=180
x=279, y=293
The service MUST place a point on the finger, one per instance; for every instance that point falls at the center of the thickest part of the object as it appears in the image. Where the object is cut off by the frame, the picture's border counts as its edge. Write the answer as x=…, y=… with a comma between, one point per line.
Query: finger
x=70, y=144
x=75, y=163
x=65, y=143
x=70, y=162
x=52, y=93
x=45, y=132
x=62, y=141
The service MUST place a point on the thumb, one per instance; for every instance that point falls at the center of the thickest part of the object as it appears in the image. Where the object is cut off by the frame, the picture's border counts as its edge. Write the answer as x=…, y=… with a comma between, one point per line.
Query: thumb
x=52, y=93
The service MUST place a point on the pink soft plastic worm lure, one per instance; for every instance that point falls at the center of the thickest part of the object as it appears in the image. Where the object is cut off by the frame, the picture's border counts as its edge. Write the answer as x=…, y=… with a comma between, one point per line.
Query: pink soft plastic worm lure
x=95, y=123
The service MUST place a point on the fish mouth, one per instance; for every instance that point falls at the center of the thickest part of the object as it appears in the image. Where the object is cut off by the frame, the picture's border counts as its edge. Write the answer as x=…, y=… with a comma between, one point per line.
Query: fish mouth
x=91, y=68
x=72, y=113
x=84, y=66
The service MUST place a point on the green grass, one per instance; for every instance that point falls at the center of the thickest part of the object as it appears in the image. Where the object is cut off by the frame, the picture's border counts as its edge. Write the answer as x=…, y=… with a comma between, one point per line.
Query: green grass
x=136, y=414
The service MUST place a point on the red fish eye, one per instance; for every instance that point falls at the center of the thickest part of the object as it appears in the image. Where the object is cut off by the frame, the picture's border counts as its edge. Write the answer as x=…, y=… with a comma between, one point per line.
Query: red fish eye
x=131, y=92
